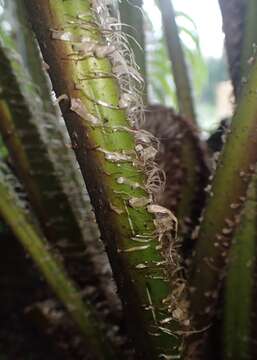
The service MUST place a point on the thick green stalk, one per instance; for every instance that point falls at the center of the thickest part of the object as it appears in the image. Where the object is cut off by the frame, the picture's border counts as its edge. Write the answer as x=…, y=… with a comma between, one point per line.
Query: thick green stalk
x=226, y=197
x=238, y=316
x=105, y=149
x=177, y=58
x=239, y=290
x=30, y=236
x=132, y=18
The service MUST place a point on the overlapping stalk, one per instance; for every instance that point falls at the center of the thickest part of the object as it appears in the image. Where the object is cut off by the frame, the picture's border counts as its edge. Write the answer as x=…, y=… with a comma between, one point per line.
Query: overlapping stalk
x=82, y=47
x=239, y=321
x=180, y=71
x=227, y=195
x=239, y=290
x=27, y=231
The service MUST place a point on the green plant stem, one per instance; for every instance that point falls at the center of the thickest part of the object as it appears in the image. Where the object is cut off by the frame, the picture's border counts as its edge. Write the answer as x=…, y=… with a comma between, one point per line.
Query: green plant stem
x=137, y=265
x=177, y=58
x=226, y=197
x=33, y=241
x=132, y=17
x=240, y=283
x=238, y=321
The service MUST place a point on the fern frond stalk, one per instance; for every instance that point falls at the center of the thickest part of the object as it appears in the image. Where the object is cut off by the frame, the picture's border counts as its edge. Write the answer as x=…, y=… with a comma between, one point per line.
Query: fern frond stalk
x=240, y=281
x=30, y=236
x=177, y=58
x=239, y=289
x=227, y=194
x=103, y=138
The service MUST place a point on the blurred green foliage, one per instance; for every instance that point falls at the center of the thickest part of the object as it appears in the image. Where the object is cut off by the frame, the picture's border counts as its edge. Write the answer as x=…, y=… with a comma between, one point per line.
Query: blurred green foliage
x=159, y=72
